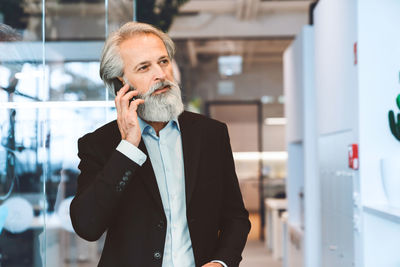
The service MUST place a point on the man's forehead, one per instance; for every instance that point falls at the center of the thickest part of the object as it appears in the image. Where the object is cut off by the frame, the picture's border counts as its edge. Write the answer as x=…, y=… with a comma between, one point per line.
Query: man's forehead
x=143, y=47
x=137, y=40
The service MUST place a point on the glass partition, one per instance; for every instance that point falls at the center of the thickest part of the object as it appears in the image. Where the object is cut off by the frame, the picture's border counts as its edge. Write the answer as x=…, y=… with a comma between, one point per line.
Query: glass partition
x=50, y=95
x=65, y=124
x=22, y=168
x=21, y=187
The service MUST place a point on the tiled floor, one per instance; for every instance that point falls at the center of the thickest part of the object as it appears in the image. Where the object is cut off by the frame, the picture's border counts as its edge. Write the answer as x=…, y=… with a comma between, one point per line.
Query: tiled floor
x=255, y=255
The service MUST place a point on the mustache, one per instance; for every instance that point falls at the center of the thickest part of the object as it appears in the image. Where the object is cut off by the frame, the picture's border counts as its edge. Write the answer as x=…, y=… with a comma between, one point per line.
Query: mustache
x=157, y=86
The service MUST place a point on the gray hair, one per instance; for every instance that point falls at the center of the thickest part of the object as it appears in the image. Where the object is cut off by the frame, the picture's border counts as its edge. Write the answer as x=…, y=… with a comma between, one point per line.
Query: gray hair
x=111, y=63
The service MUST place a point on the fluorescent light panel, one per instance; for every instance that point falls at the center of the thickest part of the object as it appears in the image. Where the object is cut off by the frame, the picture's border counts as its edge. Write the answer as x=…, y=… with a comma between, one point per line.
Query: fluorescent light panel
x=275, y=121
x=266, y=155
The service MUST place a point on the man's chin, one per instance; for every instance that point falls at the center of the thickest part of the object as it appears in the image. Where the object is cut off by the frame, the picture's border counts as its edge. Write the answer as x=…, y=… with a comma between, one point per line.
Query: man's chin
x=157, y=114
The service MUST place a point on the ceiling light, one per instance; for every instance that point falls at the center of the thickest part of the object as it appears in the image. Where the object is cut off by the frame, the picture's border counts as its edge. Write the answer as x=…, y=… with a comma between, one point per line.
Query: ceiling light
x=266, y=155
x=275, y=121
x=230, y=65
x=267, y=99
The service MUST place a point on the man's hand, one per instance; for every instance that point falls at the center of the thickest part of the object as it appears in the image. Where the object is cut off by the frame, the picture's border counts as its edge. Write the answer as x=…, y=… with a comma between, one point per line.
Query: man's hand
x=212, y=264
x=127, y=120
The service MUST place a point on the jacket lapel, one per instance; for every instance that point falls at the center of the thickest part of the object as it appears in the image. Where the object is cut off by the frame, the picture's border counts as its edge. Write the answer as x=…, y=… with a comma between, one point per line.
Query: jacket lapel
x=146, y=172
x=149, y=178
x=191, y=144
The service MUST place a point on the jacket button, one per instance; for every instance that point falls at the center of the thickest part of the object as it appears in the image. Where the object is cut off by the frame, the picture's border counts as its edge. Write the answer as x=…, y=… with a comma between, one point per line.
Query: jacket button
x=157, y=255
x=125, y=178
x=121, y=184
x=127, y=173
x=161, y=224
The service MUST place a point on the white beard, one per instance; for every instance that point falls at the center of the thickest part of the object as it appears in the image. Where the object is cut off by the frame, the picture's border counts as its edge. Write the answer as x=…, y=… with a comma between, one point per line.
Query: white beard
x=161, y=107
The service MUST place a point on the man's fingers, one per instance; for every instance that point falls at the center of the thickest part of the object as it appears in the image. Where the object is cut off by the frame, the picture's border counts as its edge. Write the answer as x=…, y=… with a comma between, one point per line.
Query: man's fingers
x=123, y=98
x=128, y=96
x=121, y=92
x=123, y=89
x=135, y=103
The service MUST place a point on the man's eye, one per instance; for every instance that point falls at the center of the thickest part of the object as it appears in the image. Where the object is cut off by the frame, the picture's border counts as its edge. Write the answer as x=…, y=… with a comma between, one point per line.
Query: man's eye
x=164, y=61
x=142, y=68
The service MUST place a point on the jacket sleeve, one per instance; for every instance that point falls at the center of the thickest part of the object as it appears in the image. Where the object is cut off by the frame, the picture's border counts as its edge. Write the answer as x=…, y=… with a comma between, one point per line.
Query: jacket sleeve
x=101, y=184
x=235, y=224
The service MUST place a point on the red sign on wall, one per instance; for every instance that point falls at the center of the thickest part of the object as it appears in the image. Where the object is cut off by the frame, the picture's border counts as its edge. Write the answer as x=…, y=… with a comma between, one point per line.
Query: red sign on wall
x=355, y=53
x=353, y=156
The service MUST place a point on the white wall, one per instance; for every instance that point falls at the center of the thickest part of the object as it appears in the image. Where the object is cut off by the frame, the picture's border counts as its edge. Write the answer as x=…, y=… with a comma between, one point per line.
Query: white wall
x=335, y=72
x=379, y=51
x=301, y=136
x=293, y=81
x=336, y=86
x=379, y=85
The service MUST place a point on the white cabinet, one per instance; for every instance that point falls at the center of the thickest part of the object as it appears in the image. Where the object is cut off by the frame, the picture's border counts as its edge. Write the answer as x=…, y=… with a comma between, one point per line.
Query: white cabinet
x=303, y=248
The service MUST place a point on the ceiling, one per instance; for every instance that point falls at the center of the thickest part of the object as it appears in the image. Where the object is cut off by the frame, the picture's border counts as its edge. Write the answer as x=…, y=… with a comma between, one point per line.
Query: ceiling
x=244, y=9
x=239, y=18
x=258, y=30
x=251, y=50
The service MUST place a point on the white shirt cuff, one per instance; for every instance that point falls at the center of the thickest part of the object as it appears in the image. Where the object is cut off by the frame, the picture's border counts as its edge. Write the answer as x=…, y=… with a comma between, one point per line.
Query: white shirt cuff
x=132, y=152
x=221, y=262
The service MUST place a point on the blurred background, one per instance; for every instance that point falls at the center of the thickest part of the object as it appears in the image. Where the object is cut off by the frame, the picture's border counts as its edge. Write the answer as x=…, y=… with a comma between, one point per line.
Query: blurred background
x=249, y=63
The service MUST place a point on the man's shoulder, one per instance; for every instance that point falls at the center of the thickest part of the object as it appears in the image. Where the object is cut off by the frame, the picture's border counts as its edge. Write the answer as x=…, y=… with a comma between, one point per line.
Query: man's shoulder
x=108, y=133
x=199, y=120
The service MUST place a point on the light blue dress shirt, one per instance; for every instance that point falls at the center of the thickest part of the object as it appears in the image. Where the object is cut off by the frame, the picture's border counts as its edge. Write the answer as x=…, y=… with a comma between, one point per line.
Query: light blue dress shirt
x=165, y=152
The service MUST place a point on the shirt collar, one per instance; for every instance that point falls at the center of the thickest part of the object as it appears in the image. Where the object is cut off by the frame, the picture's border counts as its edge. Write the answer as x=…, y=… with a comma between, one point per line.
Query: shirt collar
x=145, y=127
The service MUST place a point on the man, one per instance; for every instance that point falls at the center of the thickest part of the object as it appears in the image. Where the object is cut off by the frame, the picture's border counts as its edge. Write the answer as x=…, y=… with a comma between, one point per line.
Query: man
x=159, y=180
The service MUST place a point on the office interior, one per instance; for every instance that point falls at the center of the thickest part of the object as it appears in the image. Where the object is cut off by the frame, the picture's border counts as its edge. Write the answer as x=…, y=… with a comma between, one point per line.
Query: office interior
x=310, y=91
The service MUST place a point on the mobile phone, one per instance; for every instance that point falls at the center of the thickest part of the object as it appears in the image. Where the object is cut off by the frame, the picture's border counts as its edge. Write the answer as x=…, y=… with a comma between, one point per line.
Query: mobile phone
x=118, y=85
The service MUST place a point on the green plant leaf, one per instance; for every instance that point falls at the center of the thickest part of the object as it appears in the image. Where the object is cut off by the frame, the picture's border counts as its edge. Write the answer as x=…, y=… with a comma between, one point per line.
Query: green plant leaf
x=398, y=101
x=393, y=125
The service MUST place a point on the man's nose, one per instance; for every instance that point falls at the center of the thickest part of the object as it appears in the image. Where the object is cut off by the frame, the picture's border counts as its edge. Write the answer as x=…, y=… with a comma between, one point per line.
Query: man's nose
x=159, y=73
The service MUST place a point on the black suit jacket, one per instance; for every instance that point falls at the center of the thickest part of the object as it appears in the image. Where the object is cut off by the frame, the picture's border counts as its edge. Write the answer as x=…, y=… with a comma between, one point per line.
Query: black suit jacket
x=118, y=196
